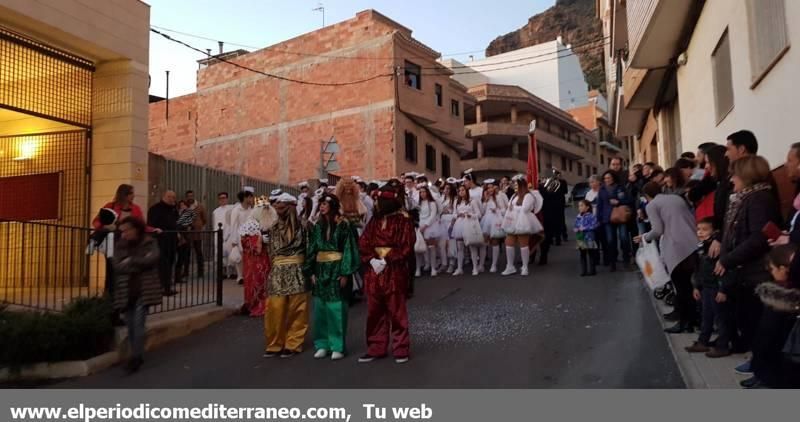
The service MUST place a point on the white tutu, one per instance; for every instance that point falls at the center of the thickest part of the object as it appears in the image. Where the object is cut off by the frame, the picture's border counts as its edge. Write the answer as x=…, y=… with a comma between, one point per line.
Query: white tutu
x=458, y=229
x=518, y=222
x=433, y=232
x=444, y=225
x=488, y=221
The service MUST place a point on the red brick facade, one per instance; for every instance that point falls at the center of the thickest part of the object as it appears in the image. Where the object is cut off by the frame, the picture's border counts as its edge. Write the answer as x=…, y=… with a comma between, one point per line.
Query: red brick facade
x=263, y=127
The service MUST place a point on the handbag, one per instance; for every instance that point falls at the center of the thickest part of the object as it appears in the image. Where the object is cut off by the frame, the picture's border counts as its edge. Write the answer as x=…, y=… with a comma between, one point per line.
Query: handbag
x=496, y=230
x=791, y=349
x=473, y=235
x=235, y=256
x=649, y=261
x=419, y=245
x=621, y=214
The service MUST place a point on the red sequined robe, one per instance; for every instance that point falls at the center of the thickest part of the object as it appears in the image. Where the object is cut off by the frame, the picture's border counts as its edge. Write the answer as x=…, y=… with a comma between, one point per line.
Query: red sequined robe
x=256, y=266
x=386, y=292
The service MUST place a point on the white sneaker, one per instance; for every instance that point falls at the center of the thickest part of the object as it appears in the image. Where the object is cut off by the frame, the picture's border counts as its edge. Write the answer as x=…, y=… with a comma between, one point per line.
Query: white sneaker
x=509, y=271
x=337, y=355
x=524, y=271
x=401, y=360
x=418, y=273
x=493, y=270
x=475, y=272
x=458, y=272
x=321, y=353
x=434, y=273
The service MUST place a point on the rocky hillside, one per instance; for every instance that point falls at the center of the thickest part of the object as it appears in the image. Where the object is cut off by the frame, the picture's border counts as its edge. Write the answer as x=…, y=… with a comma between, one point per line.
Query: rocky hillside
x=575, y=21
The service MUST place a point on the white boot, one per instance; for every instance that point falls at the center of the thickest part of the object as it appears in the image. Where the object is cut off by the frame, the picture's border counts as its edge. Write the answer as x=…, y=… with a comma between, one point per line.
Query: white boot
x=510, y=268
x=418, y=273
x=526, y=257
x=476, y=264
x=459, y=258
x=482, y=259
x=428, y=263
x=495, y=257
x=432, y=253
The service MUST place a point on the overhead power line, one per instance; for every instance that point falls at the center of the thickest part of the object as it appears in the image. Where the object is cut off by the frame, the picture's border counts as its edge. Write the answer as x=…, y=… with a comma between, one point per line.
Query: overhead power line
x=270, y=75
x=473, y=71
x=301, y=53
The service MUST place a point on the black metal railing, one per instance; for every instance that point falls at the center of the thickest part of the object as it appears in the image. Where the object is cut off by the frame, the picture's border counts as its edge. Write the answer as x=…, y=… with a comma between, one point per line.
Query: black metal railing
x=46, y=266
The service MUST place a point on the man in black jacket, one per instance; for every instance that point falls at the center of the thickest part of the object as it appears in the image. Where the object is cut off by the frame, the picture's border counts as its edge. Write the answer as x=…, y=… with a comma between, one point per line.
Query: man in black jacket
x=164, y=216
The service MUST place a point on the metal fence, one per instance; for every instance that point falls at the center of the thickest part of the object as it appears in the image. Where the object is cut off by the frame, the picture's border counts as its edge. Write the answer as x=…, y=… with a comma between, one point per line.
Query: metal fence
x=166, y=174
x=46, y=266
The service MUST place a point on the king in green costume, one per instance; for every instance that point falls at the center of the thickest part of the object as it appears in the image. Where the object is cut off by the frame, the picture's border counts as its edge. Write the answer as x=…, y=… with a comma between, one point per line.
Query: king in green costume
x=333, y=254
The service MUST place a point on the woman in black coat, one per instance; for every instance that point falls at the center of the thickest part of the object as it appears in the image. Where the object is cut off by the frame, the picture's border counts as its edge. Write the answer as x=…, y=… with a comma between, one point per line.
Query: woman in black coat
x=742, y=265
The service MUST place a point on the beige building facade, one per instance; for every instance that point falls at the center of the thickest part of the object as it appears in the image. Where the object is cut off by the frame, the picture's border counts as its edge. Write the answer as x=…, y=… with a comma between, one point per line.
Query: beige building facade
x=73, y=127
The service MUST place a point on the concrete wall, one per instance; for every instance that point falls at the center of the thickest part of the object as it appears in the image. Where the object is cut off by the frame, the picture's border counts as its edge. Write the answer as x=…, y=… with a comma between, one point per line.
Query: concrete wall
x=769, y=109
x=549, y=71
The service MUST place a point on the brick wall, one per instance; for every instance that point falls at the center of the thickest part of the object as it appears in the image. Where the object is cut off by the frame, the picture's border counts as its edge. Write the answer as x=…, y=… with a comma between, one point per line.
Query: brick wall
x=272, y=129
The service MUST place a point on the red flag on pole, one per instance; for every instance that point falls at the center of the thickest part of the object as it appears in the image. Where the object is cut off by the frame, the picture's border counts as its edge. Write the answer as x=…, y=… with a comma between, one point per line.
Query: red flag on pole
x=533, y=163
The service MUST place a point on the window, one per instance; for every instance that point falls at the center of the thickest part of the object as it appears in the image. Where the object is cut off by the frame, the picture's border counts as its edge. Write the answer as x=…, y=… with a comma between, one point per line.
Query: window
x=570, y=165
x=723, y=82
x=549, y=160
x=594, y=169
x=411, y=147
x=769, y=38
x=413, y=75
x=602, y=159
x=445, y=166
x=594, y=148
x=438, y=95
x=430, y=157
x=580, y=169
x=563, y=163
x=455, y=108
x=588, y=171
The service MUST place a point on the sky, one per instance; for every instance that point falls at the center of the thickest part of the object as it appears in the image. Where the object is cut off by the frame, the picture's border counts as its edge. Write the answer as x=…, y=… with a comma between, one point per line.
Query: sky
x=447, y=26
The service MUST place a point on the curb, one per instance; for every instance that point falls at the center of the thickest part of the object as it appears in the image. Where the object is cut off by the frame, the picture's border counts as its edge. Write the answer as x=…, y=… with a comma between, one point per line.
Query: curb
x=159, y=332
x=689, y=372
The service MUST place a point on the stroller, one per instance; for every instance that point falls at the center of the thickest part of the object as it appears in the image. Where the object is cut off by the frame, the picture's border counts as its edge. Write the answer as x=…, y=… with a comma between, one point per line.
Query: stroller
x=666, y=293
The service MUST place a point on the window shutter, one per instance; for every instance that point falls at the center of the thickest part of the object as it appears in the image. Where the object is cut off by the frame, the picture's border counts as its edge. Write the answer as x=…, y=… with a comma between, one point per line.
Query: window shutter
x=768, y=35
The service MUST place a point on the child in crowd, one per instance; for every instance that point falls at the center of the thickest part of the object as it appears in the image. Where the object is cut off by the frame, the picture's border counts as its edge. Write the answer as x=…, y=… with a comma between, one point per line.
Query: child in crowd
x=585, y=226
x=706, y=287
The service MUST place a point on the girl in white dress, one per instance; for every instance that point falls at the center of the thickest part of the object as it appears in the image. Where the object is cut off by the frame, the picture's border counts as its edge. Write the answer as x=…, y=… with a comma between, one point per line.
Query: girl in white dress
x=520, y=223
x=467, y=212
x=430, y=227
x=494, y=210
x=447, y=206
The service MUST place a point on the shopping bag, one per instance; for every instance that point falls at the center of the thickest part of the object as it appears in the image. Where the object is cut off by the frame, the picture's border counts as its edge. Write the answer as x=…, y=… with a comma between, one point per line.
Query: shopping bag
x=235, y=256
x=473, y=235
x=510, y=220
x=496, y=231
x=419, y=245
x=653, y=269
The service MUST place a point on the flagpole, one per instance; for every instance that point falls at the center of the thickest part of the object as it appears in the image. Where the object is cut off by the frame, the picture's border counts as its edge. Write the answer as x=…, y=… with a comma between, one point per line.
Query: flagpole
x=533, y=162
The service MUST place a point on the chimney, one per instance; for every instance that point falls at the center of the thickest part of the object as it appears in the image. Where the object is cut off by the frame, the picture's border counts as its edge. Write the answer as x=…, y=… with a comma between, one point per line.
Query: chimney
x=220, y=46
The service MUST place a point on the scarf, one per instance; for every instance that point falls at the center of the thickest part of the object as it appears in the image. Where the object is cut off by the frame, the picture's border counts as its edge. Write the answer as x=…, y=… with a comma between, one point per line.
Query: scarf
x=736, y=203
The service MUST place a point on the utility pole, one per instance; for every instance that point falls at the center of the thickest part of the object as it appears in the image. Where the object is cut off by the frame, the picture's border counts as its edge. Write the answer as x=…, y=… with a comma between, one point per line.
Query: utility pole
x=320, y=8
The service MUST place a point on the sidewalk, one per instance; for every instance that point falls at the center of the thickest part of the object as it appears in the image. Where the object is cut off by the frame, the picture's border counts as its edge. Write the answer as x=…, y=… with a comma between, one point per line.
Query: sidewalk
x=698, y=371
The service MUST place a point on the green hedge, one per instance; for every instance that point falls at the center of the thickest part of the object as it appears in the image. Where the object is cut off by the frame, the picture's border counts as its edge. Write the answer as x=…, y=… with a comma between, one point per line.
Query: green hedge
x=82, y=331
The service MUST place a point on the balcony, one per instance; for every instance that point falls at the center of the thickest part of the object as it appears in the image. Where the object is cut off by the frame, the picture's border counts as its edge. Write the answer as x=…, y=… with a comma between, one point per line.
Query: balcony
x=656, y=29
x=496, y=133
x=496, y=164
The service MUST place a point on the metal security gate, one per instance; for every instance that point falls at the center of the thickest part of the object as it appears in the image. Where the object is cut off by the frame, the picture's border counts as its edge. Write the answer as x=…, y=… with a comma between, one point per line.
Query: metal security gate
x=40, y=80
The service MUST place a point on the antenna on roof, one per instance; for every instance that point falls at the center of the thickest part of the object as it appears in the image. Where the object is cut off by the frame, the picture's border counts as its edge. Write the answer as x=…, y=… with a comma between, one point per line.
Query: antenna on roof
x=320, y=8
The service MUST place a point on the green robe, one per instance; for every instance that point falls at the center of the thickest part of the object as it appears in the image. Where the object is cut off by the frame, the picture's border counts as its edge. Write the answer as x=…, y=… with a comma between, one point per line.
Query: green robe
x=330, y=304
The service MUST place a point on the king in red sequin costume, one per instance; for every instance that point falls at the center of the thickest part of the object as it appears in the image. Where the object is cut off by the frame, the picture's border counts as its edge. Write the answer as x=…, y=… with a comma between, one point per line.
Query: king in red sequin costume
x=388, y=239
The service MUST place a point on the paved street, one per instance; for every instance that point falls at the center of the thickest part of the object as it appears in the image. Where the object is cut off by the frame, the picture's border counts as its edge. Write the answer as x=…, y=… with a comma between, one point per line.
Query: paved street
x=550, y=330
